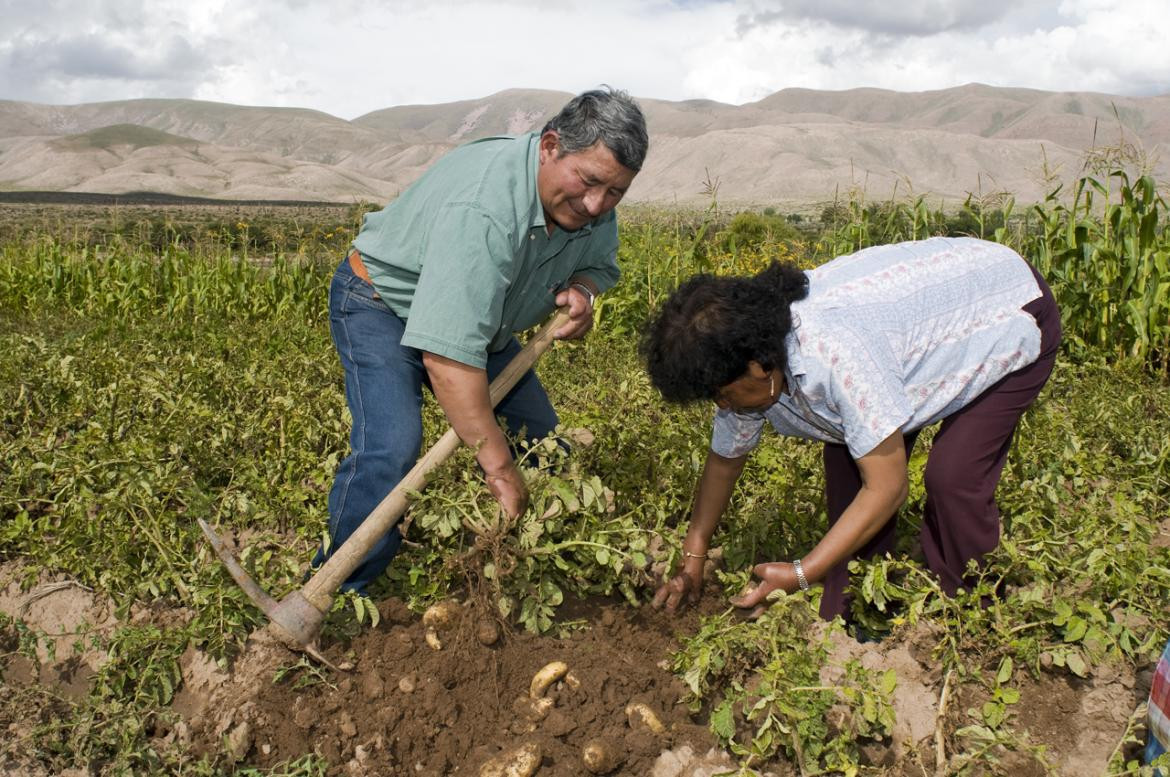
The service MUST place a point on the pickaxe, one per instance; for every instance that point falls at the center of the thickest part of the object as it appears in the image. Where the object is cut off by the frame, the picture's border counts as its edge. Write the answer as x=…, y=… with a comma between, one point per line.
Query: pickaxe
x=296, y=619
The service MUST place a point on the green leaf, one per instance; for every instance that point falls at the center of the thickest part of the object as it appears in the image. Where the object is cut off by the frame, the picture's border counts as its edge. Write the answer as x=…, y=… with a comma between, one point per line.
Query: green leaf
x=568, y=498
x=1005, y=670
x=993, y=713
x=723, y=721
x=588, y=495
x=1077, y=665
x=1076, y=629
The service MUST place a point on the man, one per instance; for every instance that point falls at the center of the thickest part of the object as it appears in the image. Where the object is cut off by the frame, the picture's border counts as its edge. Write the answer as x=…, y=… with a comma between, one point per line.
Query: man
x=486, y=243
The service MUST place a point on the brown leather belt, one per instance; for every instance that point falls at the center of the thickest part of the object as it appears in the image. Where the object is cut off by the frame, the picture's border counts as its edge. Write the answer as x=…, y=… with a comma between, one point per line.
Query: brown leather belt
x=359, y=269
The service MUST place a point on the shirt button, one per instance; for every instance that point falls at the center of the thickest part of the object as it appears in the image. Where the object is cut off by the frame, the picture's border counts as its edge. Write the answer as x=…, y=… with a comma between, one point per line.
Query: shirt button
x=532, y=237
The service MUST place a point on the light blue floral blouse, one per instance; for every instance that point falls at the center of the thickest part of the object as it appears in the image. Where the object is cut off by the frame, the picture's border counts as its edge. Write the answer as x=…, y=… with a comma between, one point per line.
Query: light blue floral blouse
x=893, y=338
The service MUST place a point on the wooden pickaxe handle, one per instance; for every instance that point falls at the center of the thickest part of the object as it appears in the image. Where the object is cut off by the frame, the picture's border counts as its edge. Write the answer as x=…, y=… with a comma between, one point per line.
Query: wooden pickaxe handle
x=321, y=587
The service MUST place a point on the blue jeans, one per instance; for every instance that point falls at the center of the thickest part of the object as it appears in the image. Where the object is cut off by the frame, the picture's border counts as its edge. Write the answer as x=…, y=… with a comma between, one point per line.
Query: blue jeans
x=383, y=388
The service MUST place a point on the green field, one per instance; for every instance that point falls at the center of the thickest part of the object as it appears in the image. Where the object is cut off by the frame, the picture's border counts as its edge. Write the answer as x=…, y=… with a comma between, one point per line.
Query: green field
x=156, y=368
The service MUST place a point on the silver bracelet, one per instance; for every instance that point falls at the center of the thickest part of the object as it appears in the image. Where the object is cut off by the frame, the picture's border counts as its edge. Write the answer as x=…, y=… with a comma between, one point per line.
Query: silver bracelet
x=581, y=287
x=800, y=578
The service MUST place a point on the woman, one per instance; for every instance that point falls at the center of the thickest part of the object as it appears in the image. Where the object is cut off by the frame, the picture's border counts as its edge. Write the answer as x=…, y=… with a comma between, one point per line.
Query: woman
x=861, y=354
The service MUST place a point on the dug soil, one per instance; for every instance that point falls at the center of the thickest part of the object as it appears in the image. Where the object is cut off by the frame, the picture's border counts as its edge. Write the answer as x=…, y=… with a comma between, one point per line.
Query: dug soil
x=403, y=707
x=400, y=707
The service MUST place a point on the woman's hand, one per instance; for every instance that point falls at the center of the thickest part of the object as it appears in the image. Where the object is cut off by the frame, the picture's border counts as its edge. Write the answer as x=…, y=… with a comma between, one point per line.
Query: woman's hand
x=711, y=498
x=883, y=490
x=774, y=576
x=684, y=588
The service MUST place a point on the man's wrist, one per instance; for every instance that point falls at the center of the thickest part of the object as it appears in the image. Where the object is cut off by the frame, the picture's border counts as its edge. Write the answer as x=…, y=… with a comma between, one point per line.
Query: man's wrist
x=584, y=289
x=495, y=458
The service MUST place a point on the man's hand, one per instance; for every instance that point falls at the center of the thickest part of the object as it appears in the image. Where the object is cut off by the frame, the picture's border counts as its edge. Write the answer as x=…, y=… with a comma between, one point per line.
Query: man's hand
x=508, y=487
x=462, y=392
x=580, y=313
x=684, y=588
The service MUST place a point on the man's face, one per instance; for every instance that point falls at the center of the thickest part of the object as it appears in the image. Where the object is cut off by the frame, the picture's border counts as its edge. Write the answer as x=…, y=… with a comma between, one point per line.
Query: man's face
x=577, y=188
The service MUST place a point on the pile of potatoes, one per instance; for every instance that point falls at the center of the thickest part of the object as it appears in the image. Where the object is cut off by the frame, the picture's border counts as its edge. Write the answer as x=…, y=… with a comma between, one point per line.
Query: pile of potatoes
x=599, y=755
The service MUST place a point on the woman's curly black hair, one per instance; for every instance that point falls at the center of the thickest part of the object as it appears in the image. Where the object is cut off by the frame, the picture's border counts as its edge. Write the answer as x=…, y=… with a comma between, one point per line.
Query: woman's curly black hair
x=712, y=326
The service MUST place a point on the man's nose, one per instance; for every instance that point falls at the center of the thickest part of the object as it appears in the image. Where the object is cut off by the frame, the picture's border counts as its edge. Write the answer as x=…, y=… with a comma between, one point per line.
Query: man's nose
x=594, y=202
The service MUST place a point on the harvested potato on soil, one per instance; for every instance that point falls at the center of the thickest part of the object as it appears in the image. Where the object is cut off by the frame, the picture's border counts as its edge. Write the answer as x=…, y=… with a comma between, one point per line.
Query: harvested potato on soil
x=532, y=709
x=600, y=756
x=487, y=632
x=520, y=761
x=639, y=714
x=442, y=615
x=547, y=675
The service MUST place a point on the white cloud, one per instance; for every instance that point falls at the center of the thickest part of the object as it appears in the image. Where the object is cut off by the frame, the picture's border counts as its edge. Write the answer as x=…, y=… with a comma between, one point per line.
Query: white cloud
x=348, y=57
x=1082, y=45
x=906, y=17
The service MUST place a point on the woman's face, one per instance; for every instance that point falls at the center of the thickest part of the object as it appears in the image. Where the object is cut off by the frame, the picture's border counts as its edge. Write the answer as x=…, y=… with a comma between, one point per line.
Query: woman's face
x=756, y=390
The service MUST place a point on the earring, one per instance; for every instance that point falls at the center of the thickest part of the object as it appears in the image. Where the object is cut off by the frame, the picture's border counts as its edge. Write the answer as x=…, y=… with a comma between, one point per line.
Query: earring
x=771, y=386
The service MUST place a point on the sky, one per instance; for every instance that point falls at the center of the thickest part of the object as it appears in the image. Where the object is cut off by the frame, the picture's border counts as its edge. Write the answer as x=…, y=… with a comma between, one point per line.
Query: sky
x=348, y=58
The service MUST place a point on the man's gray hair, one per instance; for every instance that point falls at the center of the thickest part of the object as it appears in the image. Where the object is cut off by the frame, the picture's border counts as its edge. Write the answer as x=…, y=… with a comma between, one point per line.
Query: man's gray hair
x=609, y=115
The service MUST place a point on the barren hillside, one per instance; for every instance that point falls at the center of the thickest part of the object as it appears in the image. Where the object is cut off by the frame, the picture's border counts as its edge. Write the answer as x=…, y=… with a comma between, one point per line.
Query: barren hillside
x=795, y=146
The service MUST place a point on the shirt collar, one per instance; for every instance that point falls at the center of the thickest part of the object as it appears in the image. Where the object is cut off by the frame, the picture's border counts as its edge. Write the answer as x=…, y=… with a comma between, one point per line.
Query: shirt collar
x=792, y=349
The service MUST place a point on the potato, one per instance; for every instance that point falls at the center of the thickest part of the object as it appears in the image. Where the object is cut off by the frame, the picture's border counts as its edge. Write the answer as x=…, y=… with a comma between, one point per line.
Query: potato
x=487, y=632
x=520, y=761
x=600, y=756
x=442, y=615
x=532, y=709
x=639, y=714
x=547, y=675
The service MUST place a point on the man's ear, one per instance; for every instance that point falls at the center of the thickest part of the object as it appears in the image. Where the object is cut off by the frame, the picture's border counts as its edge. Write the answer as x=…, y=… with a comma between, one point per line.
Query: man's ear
x=550, y=145
x=756, y=370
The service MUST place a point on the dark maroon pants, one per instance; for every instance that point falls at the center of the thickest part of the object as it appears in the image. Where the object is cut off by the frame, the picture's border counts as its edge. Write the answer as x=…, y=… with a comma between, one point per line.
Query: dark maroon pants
x=961, y=520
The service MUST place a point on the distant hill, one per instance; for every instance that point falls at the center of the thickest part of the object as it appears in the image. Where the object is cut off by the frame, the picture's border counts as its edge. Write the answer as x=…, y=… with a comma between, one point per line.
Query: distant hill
x=132, y=135
x=797, y=146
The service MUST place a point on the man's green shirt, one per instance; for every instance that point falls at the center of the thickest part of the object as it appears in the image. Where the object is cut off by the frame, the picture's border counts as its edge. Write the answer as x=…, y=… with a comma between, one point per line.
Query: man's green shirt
x=464, y=257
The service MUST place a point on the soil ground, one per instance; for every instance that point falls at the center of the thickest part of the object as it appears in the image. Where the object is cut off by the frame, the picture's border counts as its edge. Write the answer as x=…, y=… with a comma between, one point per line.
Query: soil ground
x=404, y=708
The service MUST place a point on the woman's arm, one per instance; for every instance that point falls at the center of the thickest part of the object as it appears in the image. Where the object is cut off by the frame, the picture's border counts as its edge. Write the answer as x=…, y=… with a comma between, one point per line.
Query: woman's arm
x=711, y=498
x=884, y=487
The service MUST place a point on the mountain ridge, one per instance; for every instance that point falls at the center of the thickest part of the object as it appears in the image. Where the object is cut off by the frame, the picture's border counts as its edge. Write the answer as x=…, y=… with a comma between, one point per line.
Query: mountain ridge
x=793, y=146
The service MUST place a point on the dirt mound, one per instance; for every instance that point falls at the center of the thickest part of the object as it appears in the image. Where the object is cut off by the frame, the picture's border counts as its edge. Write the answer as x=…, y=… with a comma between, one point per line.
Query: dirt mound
x=405, y=708
x=408, y=708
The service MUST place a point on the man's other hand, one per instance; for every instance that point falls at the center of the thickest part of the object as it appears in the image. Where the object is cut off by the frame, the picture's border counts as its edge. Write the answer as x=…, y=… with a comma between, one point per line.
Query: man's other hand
x=580, y=313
